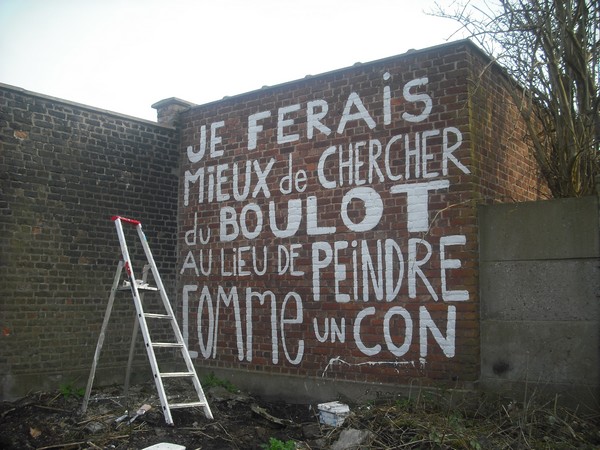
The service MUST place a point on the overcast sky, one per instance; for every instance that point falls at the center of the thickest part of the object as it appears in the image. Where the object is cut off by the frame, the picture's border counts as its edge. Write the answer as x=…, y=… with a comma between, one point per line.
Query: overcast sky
x=124, y=55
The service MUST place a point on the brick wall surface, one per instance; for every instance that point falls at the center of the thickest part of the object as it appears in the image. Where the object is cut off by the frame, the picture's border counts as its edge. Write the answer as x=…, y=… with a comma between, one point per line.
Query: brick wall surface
x=65, y=169
x=324, y=227
x=327, y=226
x=503, y=162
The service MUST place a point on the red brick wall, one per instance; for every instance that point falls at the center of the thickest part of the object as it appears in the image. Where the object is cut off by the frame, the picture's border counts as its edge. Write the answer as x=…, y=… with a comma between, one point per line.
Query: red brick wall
x=504, y=165
x=65, y=169
x=327, y=226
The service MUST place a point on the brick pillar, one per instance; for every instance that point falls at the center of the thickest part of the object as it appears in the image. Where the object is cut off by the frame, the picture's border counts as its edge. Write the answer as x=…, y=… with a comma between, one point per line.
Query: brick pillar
x=168, y=109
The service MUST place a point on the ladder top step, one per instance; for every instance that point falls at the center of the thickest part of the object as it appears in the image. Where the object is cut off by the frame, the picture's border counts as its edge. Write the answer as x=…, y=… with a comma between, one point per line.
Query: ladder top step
x=177, y=374
x=188, y=405
x=127, y=220
x=141, y=286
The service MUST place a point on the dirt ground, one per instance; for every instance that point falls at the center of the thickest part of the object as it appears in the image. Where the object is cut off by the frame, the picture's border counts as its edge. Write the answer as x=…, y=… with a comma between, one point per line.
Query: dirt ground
x=53, y=421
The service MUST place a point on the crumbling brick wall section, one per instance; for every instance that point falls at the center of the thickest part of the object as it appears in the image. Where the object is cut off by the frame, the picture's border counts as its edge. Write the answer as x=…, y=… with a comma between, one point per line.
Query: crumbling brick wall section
x=65, y=169
x=327, y=226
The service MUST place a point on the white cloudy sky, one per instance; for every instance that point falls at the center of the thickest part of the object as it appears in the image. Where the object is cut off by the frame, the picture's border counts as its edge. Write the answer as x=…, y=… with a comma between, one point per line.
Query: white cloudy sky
x=124, y=55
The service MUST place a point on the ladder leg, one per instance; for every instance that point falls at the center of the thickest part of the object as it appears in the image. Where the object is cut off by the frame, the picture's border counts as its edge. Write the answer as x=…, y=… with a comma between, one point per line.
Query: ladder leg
x=136, y=328
x=178, y=335
x=111, y=300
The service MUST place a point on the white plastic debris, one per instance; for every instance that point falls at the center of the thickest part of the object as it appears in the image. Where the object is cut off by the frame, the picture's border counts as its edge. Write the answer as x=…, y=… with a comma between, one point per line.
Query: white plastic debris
x=333, y=413
x=165, y=446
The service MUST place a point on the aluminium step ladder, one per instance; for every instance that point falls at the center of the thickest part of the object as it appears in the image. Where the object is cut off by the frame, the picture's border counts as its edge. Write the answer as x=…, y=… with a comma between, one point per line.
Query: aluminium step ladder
x=138, y=288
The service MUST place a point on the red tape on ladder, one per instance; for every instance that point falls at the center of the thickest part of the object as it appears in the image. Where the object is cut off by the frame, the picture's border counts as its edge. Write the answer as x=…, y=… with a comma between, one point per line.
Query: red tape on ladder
x=125, y=219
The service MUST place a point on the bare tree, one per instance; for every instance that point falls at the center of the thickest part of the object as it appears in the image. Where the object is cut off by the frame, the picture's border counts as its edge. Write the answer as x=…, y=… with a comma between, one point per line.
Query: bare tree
x=550, y=48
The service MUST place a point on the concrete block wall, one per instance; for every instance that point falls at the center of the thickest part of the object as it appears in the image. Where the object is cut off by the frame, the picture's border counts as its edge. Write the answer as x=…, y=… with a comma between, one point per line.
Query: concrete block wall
x=540, y=286
x=327, y=226
x=65, y=169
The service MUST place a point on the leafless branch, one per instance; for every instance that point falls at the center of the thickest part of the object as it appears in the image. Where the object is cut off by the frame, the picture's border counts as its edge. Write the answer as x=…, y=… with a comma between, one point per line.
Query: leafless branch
x=551, y=50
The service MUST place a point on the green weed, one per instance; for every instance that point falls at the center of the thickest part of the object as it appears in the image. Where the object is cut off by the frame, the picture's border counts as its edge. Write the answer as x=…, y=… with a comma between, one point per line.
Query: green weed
x=276, y=444
x=211, y=380
x=69, y=390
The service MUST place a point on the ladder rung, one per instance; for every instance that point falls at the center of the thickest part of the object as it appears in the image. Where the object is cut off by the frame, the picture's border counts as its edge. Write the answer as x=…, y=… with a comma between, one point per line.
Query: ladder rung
x=141, y=286
x=147, y=288
x=157, y=316
x=176, y=374
x=167, y=344
x=187, y=405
